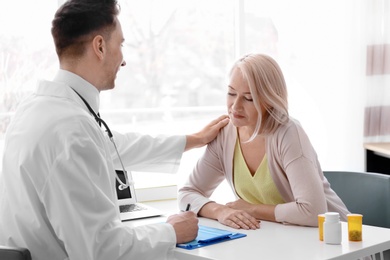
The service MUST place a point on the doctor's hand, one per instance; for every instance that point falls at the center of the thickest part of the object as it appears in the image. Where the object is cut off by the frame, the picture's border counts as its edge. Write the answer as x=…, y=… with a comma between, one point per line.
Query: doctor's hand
x=185, y=225
x=207, y=134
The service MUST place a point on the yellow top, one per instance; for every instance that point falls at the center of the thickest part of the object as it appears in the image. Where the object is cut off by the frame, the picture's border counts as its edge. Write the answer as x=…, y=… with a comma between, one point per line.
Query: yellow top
x=257, y=189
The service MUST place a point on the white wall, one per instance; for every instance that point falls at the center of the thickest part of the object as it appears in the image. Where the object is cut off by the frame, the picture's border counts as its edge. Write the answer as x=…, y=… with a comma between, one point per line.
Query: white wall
x=322, y=50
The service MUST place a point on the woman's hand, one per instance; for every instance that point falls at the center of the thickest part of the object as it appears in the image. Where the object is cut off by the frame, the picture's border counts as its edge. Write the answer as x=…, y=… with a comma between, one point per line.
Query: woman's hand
x=237, y=219
x=259, y=211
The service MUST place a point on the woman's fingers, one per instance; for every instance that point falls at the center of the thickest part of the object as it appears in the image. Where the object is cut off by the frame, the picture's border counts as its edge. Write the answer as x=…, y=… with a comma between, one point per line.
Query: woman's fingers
x=243, y=220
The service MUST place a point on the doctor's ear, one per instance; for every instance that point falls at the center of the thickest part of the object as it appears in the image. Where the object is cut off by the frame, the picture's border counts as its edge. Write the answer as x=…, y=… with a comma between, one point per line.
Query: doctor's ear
x=99, y=46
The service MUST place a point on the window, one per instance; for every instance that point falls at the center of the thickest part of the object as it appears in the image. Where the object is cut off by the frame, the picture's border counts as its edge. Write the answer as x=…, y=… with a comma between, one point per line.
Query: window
x=174, y=81
x=178, y=56
x=176, y=65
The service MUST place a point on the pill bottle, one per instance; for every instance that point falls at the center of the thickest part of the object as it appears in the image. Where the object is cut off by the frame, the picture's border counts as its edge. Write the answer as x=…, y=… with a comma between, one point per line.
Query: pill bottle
x=332, y=228
x=321, y=219
x=355, y=227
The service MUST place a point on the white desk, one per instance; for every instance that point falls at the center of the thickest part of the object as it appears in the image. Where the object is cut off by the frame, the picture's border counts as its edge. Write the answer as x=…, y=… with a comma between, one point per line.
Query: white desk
x=278, y=241
x=377, y=157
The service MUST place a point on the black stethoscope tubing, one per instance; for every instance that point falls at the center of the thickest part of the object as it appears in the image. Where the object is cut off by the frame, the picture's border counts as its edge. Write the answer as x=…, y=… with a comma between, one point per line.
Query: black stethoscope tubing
x=100, y=121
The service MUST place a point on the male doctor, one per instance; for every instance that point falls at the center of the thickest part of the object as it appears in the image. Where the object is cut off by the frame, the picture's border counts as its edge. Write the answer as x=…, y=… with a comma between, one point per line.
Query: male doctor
x=57, y=189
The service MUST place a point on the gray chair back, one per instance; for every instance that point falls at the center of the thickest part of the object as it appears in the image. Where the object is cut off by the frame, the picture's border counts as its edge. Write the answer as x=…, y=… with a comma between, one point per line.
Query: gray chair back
x=365, y=193
x=14, y=253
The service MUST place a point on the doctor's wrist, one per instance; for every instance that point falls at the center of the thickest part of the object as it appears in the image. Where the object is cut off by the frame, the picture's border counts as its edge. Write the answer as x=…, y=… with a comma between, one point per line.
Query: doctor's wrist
x=194, y=141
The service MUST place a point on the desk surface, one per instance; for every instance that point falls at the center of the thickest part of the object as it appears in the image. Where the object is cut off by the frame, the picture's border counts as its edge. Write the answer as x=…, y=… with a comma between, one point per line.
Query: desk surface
x=278, y=241
x=382, y=148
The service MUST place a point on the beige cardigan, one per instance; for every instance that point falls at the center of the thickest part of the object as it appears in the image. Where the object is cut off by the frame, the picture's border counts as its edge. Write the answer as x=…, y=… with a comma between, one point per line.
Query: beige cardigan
x=294, y=168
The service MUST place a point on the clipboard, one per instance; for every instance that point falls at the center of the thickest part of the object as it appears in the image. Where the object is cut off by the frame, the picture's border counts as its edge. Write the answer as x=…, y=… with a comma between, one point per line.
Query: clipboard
x=209, y=236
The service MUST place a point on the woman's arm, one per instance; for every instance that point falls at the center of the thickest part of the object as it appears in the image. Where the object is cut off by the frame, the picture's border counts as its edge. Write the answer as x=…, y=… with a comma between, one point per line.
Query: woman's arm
x=297, y=174
x=308, y=199
x=207, y=174
x=258, y=211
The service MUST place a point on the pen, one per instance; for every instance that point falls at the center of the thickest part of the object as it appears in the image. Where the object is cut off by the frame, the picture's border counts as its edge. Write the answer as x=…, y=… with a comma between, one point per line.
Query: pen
x=188, y=207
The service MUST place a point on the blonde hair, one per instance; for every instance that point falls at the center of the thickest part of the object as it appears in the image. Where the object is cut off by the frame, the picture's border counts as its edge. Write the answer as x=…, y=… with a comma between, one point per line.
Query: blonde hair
x=268, y=89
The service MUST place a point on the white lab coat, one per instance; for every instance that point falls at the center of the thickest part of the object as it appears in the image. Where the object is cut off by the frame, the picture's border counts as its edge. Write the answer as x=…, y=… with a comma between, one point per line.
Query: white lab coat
x=57, y=193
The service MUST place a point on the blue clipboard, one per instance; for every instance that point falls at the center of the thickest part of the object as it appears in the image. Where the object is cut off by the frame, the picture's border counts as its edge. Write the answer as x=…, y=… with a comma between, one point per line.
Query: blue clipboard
x=209, y=236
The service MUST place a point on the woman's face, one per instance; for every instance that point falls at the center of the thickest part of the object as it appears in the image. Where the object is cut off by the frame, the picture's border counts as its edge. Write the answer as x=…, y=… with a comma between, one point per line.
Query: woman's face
x=240, y=104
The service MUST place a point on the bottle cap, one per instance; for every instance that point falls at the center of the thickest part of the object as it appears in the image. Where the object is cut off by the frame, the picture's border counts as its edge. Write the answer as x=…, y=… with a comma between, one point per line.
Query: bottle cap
x=332, y=216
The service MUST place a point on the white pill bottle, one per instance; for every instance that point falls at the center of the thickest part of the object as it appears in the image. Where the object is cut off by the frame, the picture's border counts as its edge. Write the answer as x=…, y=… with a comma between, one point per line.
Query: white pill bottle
x=332, y=228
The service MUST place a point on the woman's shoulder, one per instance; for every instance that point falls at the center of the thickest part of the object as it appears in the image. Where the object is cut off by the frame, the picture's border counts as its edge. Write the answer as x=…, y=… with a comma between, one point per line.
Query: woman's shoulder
x=291, y=126
x=290, y=133
x=225, y=138
x=228, y=132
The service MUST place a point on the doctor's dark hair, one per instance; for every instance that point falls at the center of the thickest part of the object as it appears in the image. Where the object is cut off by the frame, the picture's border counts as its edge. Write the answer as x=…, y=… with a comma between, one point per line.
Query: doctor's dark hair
x=78, y=21
x=268, y=89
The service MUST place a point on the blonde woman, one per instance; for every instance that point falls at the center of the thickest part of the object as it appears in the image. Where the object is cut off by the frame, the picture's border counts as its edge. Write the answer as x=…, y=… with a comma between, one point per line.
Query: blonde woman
x=265, y=156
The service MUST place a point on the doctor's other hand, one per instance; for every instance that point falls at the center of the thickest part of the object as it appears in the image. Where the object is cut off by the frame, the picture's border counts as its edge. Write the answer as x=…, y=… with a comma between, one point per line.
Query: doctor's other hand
x=185, y=225
x=207, y=134
x=238, y=219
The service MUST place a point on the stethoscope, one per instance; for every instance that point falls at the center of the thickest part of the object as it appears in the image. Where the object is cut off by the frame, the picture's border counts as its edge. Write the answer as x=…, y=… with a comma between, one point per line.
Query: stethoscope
x=100, y=121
